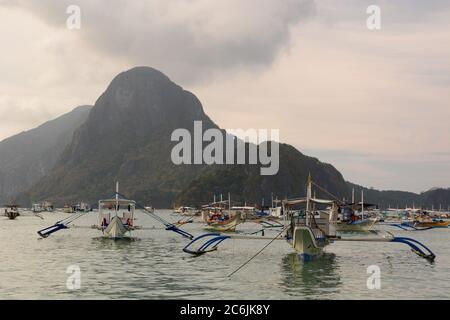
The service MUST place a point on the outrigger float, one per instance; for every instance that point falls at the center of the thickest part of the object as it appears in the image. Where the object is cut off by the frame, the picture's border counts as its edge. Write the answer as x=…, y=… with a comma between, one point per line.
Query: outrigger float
x=308, y=230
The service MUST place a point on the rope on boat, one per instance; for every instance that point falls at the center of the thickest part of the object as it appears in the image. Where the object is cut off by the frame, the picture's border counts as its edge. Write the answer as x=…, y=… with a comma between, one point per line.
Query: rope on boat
x=254, y=256
x=169, y=226
x=327, y=192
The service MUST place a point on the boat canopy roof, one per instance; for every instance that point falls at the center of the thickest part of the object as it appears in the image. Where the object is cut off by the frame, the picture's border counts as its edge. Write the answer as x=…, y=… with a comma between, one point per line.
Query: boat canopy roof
x=303, y=200
x=119, y=201
x=243, y=208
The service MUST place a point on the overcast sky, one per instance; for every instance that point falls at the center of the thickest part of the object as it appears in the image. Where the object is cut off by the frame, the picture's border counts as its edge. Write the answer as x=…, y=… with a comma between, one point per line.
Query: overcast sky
x=375, y=104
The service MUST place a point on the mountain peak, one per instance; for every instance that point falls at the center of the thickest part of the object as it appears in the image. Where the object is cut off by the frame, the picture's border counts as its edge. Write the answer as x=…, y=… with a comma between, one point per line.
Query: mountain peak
x=140, y=74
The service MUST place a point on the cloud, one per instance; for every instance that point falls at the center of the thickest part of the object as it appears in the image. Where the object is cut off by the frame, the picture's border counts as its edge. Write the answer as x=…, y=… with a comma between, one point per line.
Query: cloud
x=189, y=39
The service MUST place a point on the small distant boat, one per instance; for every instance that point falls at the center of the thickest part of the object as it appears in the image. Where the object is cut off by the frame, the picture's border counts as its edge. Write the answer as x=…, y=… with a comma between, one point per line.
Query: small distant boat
x=43, y=206
x=247, y=212
x=82, y=207
x=48, y=206
x=276, y=212
x=220, y=216
x=434, y=223
x=68, y=209
x=424, y=221
x=222, y=221
x=187, y=211
x=354, y=217
x=12, y=212
x=149, y=209
x=37, y=208
x=360, y=224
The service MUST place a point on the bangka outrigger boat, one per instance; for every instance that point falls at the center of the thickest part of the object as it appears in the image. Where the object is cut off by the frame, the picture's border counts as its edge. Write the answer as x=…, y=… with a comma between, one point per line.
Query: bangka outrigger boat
x=353, y=221
x=116, y=219
x=419, y=221
x=308, y=230
x=220, y=216
x=12, y=212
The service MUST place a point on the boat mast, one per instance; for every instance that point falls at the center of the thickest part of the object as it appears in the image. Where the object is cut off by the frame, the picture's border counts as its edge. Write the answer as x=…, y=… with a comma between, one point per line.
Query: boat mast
x=362, y=204
x=117, y=197
x=308, y=198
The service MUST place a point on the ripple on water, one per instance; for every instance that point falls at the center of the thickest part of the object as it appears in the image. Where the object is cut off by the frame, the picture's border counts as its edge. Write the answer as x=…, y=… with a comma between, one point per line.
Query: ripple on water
x=154, y=266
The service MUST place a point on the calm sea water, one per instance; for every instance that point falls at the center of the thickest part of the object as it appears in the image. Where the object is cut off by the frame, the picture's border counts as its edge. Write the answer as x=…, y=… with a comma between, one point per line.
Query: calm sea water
x=154, y=266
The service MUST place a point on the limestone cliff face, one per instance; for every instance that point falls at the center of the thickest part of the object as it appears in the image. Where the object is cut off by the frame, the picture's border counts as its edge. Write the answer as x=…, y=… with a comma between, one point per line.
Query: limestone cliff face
x=127, y=137
x=27, y=157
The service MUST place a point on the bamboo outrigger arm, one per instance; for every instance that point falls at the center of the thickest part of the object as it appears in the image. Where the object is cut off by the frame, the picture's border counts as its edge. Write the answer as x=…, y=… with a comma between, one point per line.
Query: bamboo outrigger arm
x=60, y=225
x=417, y=247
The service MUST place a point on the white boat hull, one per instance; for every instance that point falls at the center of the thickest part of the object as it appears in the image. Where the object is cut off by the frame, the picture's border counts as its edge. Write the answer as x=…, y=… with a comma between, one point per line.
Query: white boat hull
x=364, y=225
x=305, y=243
x=115, y=230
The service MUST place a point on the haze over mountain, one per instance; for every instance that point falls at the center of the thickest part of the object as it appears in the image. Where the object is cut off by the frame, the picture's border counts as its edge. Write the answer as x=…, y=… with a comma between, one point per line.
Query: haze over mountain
x=28, y=156
x=127, y=138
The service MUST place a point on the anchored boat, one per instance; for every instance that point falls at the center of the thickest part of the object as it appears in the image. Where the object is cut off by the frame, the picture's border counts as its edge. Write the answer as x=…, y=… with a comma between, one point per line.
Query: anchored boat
x=187, y=211
x=356, y=217
x=221, y=220
x=37, y=208
x=425, y=221
x=308, y=230
x=11, y=211
x=116, y=217
x=43, y=206
x=82, y=207
x=68, y=209
x=220, y=216
x=352, y=220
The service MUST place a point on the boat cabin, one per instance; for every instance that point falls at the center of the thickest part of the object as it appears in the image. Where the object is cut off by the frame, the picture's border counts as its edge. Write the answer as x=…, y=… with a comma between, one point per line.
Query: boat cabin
x=318, y=215
x=123, y=208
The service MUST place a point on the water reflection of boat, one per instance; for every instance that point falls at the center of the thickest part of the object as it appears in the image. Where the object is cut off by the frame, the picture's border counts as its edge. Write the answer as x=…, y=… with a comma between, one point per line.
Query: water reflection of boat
x=317, y=277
